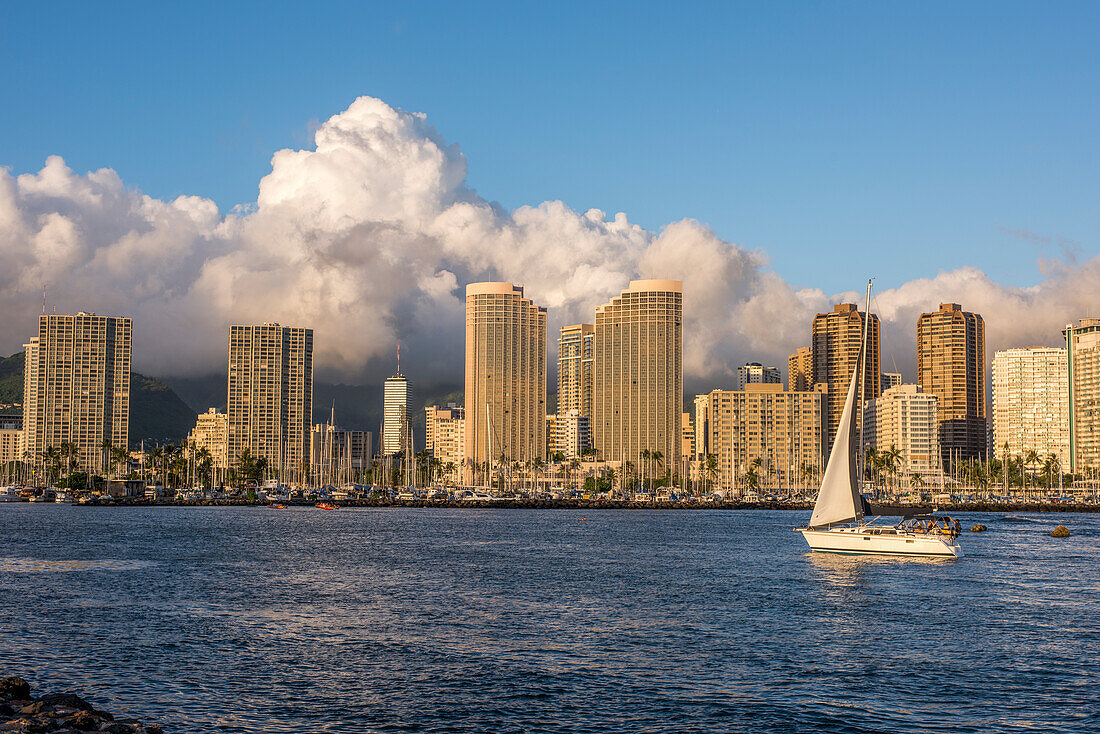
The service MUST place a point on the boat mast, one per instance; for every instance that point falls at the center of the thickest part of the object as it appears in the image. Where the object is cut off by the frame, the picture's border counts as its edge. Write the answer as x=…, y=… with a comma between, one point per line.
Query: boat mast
x=863, y=385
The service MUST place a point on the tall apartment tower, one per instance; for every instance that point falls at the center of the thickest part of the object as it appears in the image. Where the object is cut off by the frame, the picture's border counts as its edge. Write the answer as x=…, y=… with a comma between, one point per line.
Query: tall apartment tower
x=951, y=366
x=505, y=376
x=755, y=373
x=890, y=379
x=395, y=414
x=836, y=341
x=575, y=365
x=800, y=370
x=77, y=385
x=1083, y=366
x=639, y=378
x=1031, y=402
x=271, y=395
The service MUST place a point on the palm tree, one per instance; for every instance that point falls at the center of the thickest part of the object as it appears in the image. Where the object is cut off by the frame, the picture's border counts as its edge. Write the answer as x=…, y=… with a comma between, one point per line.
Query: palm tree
x=105, y=447
x=51, y=460
x=658, y=459
x=644, y=455
x=712, y=468
x=1031, y=456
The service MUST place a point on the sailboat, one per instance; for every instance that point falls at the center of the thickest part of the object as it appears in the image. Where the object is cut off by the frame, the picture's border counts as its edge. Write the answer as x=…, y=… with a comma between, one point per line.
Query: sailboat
x=838, y=525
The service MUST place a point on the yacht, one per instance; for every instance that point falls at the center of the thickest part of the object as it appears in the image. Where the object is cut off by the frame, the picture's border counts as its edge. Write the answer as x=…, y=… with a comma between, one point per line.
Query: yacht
x=838, y=523
x=10, y=494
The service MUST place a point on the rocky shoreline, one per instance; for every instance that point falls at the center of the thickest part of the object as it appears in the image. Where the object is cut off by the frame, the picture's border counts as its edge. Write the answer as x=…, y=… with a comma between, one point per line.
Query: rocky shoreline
x=58, y=713
x=566, y=504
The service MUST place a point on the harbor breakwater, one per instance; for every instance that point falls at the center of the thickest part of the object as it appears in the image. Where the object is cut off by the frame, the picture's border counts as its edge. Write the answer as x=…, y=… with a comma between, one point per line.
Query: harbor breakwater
x=63, y=713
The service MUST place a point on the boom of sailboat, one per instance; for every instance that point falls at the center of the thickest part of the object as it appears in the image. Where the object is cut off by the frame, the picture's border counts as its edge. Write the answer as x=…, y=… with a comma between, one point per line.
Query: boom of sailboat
x=839, y=520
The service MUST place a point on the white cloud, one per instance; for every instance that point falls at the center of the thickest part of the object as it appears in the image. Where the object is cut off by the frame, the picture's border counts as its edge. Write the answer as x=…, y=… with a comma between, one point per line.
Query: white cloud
x=370, y=238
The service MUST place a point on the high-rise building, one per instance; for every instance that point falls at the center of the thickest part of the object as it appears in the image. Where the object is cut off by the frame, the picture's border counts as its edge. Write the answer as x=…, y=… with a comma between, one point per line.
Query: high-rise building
x=505, y=376
x=271, y=395
x=687, y=436
x=837, y=337
x=904, y=418
x=77, y=386
x=568, y=433
x=754, y=373
x=890, y=379
x=700, y=428
x=951, y=366
x=1083, y=360
x=800, y=370
x=211, y=432
x=11, y=439
x=784, y=430
x=1031, y=402
x=575, y=365
x=639, y=377
x=395, y=416
x=445, y=436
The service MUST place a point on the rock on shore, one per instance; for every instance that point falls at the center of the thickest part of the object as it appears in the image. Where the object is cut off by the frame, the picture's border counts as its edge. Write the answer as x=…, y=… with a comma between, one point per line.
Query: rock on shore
x=1060, y=532
x=979, y=528
x=60, y=713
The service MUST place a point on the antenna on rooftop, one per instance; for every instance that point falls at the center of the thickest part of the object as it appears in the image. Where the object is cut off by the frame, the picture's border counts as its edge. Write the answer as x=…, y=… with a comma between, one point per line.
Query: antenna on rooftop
x=43, y=299
x=399, y=358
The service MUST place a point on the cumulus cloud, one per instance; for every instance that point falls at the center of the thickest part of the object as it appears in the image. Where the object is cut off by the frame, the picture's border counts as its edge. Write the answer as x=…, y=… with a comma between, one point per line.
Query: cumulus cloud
x=370, y=238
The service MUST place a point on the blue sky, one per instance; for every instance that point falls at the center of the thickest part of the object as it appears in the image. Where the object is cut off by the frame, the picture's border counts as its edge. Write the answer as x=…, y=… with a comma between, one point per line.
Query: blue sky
x=840, y=138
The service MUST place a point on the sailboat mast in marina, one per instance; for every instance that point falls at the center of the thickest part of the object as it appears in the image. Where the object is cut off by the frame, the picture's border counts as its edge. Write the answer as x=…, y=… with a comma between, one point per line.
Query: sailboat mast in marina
x=837, y=524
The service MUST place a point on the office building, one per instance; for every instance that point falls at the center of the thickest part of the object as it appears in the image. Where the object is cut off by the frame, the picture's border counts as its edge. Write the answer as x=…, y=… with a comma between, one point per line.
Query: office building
x=575, y=365
x=505, y=377
x=211, y=432
x=755, y=373
x=784, y=430
x=800, y=370
x=639, y=373
x=951, y=366
x=395, y=416
x=837, y=337
x=271, y=396
x=77, y=386
x=1031, y=402
x=1083, y=366
x=904, y=418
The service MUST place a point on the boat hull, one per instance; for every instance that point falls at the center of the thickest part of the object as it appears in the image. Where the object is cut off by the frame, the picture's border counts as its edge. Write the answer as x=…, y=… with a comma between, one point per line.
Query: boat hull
x=867, y=541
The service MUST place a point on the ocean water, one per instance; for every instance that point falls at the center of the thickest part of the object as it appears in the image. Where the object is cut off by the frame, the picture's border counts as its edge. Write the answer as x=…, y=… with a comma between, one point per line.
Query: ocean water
x=506, y=620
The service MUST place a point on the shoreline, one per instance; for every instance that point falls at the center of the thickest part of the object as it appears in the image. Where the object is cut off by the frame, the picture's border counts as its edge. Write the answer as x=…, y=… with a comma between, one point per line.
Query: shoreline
x=564, y=504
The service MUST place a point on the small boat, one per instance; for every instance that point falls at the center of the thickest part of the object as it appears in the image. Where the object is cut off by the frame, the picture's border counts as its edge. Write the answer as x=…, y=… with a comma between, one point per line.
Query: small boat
x=274, y=506
x=326, y=506
x=838, y=525
x=10, y=494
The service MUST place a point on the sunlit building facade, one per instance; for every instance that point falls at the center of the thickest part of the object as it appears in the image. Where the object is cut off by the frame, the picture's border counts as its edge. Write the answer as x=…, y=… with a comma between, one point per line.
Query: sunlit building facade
x=1031, y=402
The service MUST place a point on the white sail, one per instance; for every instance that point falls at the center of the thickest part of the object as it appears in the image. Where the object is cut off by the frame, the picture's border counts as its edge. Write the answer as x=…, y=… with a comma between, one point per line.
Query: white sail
x=839, y=499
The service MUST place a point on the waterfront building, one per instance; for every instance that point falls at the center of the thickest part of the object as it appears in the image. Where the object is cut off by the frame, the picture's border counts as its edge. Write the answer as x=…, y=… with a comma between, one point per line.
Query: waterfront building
x=338, y=456
x=505, y=376
x=904, y=418
x=575, y=365
x=687, y=436
x=951, y=366
x=700, y=427
x=569, y=433
x=211, y=432
x=800, y=370
x=270, y=403
x=1031, y=402
x=11, y=444
x=890, y=379
x=445, y=436
x=77, y=386
x=837, y=337
x=766, y=432
x=1083, y=366
x=395, y=415
x=639, y=373
x=756, y=373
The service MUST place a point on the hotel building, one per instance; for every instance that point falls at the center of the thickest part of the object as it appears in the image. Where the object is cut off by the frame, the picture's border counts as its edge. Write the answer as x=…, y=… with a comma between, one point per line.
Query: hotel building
x=505, y=375
x=904, y=418
x=837, y=337
x=1031, y=402
x=639, y=373
x=1083, y=365
x=785, y=430
x=270, y=394
x=800, y=370
x=445, y=435
x=575, y=366
x=77, y=386
x=951, y=366
x=890, y=379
